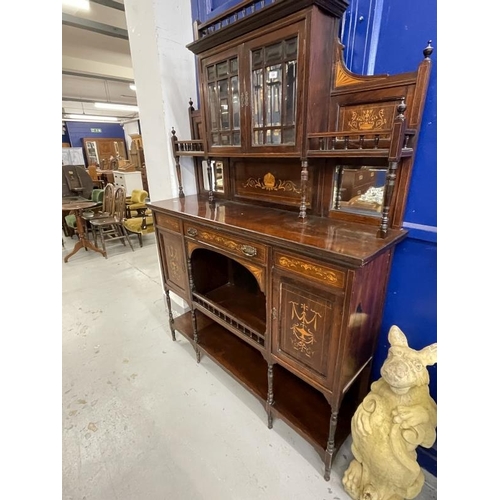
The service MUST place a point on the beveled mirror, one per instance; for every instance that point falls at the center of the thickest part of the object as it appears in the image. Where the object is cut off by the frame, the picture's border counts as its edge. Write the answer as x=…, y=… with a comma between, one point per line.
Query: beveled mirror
x=359, y=190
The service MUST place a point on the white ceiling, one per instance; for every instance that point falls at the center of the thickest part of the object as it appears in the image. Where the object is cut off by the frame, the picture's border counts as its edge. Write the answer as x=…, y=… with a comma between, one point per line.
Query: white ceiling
x=96, y=67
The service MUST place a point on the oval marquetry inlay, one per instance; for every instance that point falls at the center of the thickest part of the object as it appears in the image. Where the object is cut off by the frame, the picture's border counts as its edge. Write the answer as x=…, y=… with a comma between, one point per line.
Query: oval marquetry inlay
x=321, y=273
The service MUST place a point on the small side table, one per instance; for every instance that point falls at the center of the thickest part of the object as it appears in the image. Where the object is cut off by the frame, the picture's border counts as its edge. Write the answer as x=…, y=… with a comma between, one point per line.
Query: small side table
x=77, y=207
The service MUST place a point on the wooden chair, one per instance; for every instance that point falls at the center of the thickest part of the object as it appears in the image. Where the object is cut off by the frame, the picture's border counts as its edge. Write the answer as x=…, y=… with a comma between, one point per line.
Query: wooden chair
x=98, y=183
x=105, y=210
x=112, y=228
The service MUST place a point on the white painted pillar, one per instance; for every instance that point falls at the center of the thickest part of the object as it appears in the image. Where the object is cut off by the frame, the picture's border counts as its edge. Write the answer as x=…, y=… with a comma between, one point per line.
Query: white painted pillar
x=165, y=78
x=164, y=73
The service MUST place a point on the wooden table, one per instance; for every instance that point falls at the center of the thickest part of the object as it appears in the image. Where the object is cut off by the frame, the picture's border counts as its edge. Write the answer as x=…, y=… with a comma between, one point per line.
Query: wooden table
x=106, y=176
x=77, y=207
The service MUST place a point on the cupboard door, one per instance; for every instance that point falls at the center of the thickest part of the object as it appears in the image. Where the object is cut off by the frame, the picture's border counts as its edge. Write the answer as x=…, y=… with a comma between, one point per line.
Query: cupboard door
x=224, y=98
x=274, y=116
x=173, y=262
x=306, y=328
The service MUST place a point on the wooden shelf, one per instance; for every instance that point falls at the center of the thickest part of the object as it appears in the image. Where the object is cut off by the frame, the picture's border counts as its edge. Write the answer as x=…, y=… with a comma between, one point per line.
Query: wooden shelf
x=244, y=363
x=307, y=411
x=301, y=406
x=249, y=308
x=184, y=324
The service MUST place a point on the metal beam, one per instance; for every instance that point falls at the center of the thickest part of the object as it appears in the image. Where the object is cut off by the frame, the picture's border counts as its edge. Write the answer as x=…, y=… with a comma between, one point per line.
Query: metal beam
x=86, y=24
x=111, y=4
x=97, y=77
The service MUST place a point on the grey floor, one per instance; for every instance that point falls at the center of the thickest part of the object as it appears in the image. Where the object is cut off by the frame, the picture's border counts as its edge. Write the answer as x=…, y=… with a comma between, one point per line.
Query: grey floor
x=141, y=420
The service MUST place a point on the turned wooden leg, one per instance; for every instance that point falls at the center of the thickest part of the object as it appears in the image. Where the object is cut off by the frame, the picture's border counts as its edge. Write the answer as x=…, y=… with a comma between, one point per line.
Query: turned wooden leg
x=195, y=335
x=170, y=315
x=270, y=396
x=330, y=447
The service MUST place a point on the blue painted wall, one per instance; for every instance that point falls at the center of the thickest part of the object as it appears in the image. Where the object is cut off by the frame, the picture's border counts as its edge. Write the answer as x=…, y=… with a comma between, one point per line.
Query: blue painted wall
x=77, y=131
x=388, y=36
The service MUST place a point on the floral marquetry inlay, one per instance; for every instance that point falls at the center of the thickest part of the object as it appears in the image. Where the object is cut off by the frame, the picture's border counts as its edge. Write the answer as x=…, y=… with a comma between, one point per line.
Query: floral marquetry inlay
x=174, y=267
x=270, y=183
x=304, y=328
x=368, y=119
x=330, y=276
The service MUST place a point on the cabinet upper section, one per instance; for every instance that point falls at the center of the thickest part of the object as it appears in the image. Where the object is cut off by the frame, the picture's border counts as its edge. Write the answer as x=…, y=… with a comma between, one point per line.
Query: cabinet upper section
x=250, y=15
x=274, y=87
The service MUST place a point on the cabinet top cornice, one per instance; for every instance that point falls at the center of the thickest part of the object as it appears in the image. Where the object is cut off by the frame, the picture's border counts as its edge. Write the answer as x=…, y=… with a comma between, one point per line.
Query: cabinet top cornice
x=250, y=15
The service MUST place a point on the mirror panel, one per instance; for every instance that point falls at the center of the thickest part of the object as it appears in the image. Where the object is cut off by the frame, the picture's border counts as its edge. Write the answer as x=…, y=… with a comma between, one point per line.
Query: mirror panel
x=217, y=169
x=361, y=189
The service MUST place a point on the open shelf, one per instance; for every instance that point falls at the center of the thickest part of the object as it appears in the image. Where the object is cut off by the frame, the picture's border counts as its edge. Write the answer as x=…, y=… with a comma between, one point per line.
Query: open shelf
x=229, y=294
x=304, y=408
x=307, y=411
x=244, y=363
x=184, y=324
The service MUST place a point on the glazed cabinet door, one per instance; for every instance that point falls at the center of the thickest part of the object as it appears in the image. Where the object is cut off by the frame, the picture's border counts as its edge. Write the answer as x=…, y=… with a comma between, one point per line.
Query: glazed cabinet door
x=223, y=97
x=251, y=94
x=273, y=114
x=173, y=262
x=306, y=327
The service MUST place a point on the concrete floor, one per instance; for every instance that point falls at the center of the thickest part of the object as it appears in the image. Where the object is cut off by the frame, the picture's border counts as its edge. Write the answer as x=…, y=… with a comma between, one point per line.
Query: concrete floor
x=142, y=421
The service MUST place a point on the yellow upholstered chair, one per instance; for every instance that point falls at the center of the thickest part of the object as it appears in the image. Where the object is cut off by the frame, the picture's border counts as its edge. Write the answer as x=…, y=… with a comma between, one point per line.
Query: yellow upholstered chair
x=139, y=226
x=136, y=204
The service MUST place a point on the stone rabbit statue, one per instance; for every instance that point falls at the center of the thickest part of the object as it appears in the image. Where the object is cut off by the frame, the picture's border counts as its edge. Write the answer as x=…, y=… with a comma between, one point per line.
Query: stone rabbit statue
x=395, y=417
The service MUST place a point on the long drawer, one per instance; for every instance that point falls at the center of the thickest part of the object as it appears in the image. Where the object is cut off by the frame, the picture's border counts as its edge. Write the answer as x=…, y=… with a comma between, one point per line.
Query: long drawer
x=238, y=247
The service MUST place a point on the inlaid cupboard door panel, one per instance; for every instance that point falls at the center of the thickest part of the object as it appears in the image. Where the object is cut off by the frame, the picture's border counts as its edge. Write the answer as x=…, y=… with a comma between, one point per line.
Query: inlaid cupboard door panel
x=173, y=262
x=306, y=327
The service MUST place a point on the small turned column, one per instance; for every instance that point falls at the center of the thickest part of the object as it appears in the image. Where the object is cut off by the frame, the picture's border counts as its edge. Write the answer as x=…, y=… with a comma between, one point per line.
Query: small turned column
x=177, y=163
x=304, y=177
x=210, y=180
x=270, y=395
x=193, y=312
x=339, y=170
x=390, y=180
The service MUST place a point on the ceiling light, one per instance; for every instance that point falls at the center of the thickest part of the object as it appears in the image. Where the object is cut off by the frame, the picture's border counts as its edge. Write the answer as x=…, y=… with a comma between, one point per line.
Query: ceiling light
x=92, y=118
x=117, y=107
x=132, y=86
x=79, y=4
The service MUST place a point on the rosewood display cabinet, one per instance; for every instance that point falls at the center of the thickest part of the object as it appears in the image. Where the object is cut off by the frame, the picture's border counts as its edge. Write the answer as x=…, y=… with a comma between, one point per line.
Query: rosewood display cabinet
x=284, y=254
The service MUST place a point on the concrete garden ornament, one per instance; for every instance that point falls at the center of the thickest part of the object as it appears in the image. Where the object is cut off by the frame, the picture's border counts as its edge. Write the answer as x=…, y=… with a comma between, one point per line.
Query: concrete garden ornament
x=394, y=418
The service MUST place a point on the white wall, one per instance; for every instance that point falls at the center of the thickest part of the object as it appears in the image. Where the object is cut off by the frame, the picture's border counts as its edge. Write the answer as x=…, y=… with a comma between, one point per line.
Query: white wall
x=164, y=71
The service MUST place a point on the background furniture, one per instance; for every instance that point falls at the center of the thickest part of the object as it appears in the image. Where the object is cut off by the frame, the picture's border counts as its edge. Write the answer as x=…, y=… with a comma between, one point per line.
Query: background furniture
x=111, y=228
x=99, y=151
x=76, y=181
x=292, y=304
x=72, y=156
x=76, y=207
x=136, y=204
x=139, y=226
x=98, y=182
x=128, y=181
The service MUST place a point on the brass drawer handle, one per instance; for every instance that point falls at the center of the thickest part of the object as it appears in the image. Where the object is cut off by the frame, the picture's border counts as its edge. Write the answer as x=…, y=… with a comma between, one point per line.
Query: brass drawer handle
x=249, y=250
x=192, y=232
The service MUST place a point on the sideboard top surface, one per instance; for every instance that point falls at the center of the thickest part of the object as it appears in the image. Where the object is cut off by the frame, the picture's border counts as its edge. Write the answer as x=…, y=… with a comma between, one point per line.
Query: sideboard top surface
x=349, y=243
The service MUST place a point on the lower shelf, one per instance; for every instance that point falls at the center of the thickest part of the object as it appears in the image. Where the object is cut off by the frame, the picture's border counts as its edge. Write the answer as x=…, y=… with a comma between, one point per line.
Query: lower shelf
x=301, y=406
x=244, y=363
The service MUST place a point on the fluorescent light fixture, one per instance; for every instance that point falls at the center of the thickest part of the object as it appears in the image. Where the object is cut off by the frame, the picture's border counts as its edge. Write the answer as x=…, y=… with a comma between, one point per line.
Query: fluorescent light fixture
x=116, y=107
x=92, y=118
x=79, y=4
x=133, y=87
